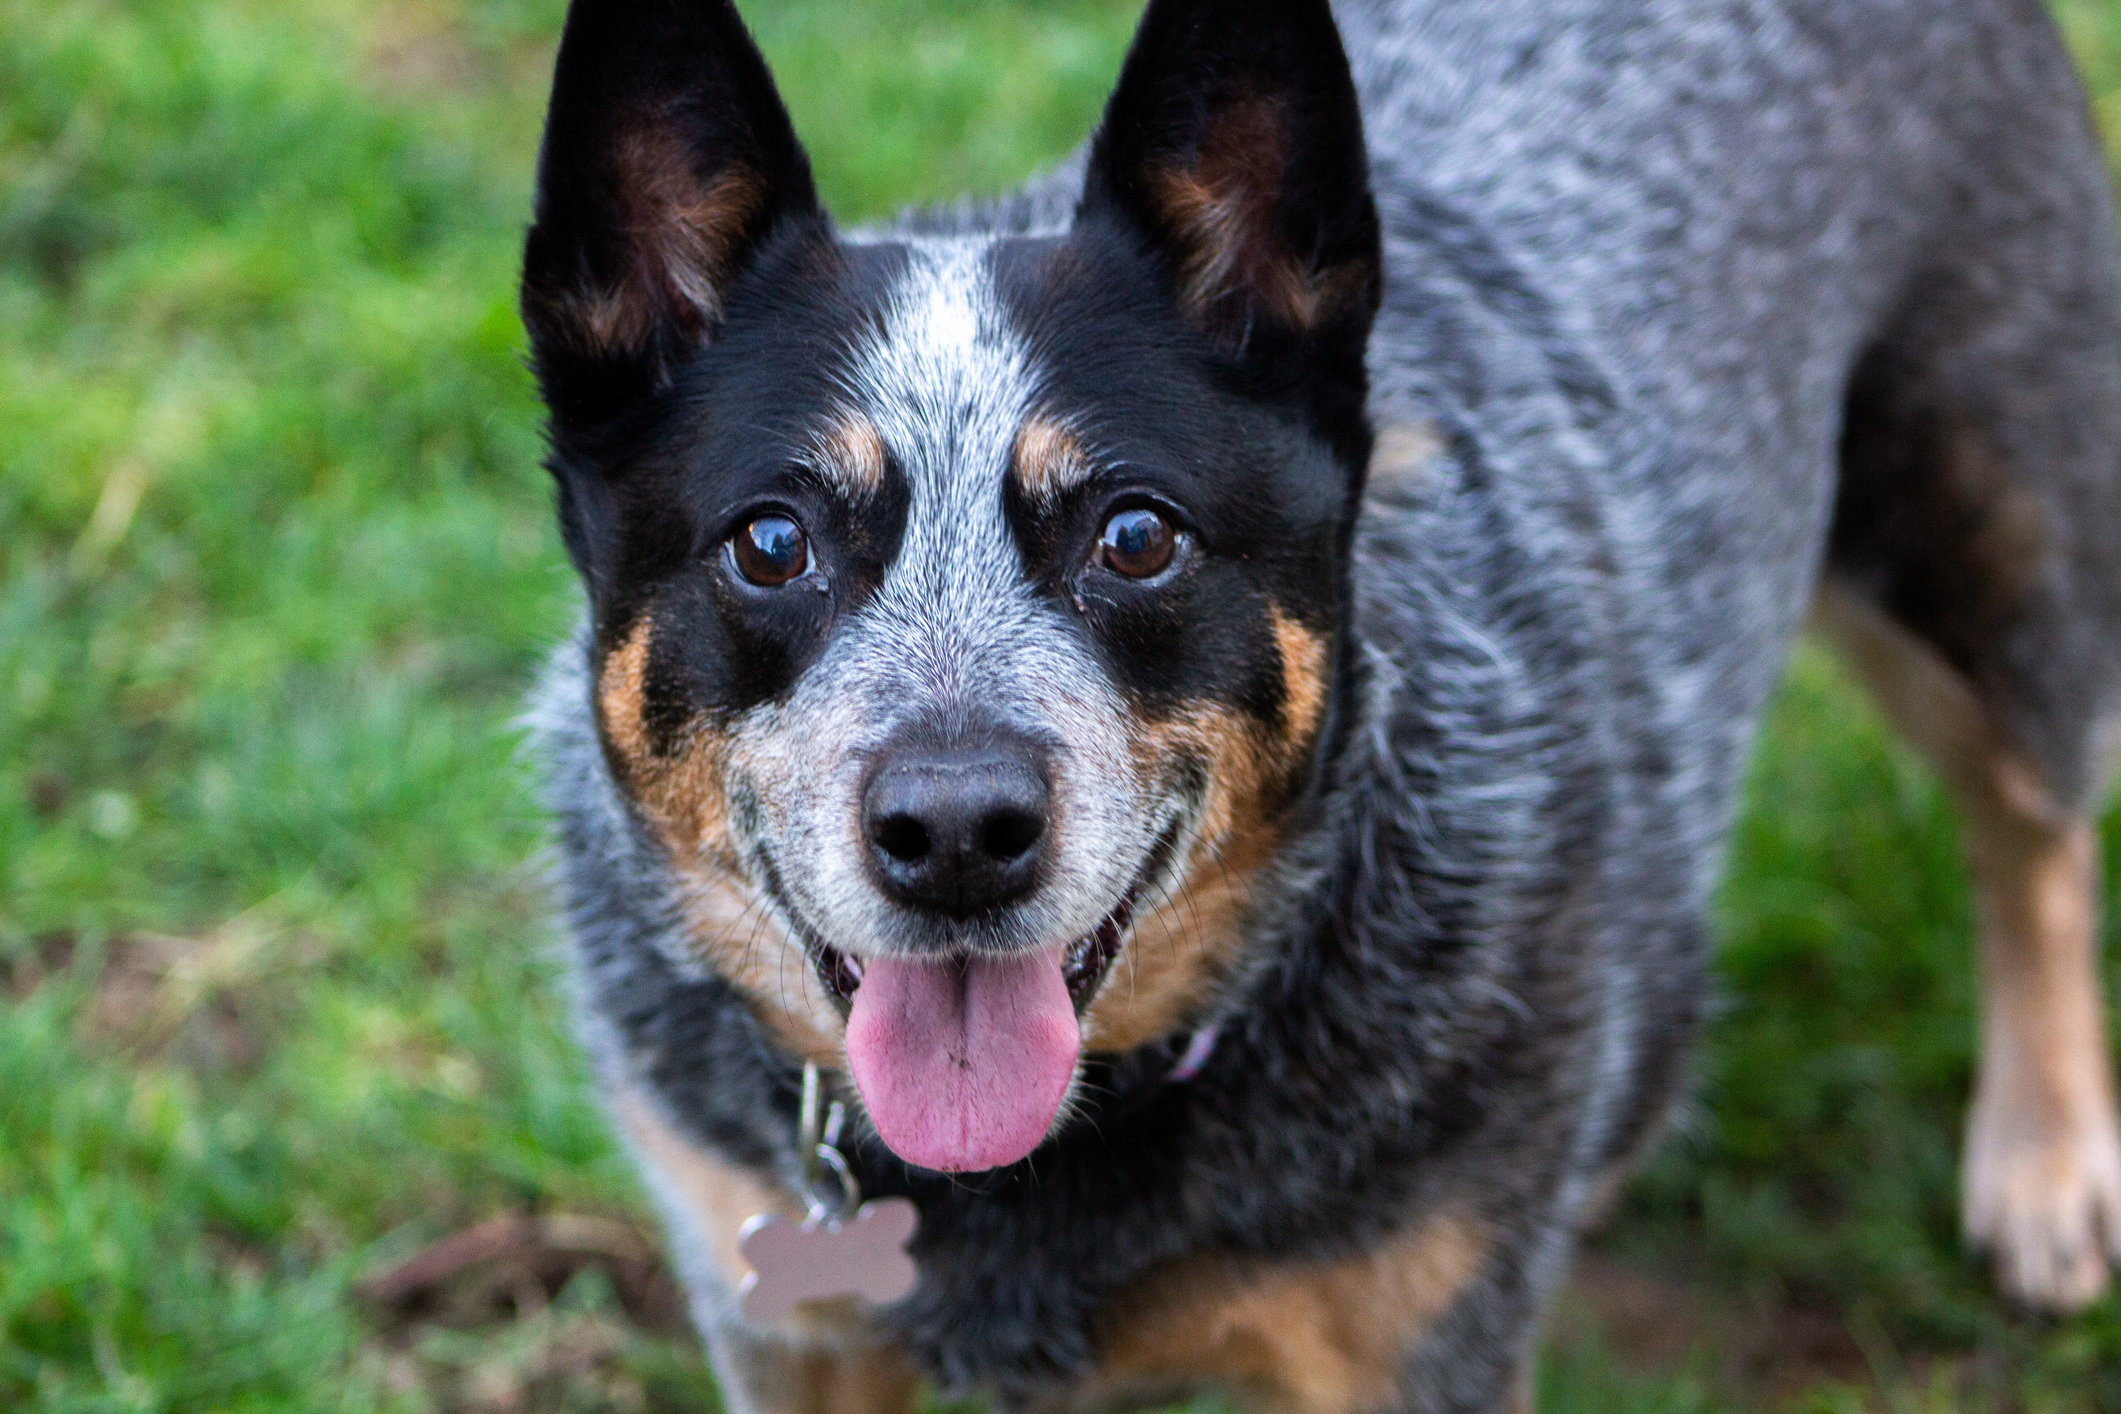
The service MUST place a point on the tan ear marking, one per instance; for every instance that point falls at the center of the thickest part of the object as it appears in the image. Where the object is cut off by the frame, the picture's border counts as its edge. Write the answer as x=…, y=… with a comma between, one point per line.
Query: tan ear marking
x=684, y=229
x=1223, y=209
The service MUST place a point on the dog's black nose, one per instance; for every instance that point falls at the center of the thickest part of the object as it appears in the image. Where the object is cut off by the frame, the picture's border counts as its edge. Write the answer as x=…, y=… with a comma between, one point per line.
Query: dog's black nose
x=957, y=830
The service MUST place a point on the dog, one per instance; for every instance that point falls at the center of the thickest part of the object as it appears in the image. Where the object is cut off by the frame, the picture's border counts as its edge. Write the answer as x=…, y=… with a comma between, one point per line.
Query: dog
x=1196, y=706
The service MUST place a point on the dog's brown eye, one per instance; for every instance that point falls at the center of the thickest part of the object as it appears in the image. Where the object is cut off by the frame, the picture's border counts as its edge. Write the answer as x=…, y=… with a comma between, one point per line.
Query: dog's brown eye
x=771, y=551
x=1137, y=543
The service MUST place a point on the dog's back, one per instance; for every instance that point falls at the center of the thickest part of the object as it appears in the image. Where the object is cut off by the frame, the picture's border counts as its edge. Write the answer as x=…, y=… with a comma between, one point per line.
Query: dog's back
x=1723, y=236
x=1722, y=307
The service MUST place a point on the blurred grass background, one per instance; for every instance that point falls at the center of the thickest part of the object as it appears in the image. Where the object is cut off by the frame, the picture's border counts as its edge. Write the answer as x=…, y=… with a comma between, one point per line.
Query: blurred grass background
x=275, y=568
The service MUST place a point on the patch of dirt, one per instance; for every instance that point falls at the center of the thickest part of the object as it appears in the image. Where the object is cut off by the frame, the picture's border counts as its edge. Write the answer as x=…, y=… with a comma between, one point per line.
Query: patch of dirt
x=1758, y=1351
x=47, y=955
x=207, y=1002
x=488, y=1320
x=1654, y=1323
x=48, y=793
x=514, y=1263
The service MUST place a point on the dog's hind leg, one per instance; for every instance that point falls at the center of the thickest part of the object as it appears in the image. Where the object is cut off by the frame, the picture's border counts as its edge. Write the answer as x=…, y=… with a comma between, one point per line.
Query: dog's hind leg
x=2043, y=1159
x=1973, y=579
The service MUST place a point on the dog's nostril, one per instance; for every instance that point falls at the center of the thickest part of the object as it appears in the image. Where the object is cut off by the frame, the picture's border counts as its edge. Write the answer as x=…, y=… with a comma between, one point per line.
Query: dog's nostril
x=1008, y=833
x=903, y=838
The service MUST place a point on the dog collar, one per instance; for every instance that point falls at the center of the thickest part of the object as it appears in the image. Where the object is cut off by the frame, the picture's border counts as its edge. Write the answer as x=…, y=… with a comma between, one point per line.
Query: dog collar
x=1195, y=1057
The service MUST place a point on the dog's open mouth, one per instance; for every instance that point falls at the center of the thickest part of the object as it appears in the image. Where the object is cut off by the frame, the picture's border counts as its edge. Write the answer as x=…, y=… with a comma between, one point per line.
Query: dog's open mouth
x=962, y=1062
x=1084, y=963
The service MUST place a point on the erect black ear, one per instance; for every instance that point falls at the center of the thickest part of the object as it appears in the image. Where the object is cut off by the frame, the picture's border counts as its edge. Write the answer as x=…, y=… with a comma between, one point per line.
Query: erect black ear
x=668, y=160
x=1234, y=145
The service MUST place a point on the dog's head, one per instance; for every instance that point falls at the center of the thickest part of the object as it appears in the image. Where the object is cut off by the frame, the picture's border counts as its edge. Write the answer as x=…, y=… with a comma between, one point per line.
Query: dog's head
x=968, y=611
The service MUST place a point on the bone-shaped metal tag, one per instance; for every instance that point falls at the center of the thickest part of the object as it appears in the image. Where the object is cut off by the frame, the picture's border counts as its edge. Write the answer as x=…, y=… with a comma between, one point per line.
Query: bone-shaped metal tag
x=793, y=1262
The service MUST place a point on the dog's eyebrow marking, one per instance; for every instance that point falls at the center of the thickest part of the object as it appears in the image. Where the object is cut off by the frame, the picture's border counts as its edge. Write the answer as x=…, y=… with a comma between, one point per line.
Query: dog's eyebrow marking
x=850, y=455
x=1047, y=460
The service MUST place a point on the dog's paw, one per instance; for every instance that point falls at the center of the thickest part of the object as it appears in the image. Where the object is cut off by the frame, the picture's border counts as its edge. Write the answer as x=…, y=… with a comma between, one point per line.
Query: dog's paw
x=2044, y=1201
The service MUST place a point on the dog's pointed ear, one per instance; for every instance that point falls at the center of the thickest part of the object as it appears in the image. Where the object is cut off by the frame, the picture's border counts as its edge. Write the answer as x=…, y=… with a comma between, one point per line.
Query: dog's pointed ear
x=1233, y=145
x=668, y=160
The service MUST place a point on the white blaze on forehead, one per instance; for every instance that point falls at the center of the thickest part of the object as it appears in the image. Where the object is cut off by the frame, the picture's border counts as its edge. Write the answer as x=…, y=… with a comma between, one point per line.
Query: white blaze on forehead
x=949, y=382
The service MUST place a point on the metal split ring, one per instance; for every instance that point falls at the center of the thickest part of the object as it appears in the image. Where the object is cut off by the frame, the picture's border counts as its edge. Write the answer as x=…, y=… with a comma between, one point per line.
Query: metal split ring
x=834, y=1207
x=818, y=1133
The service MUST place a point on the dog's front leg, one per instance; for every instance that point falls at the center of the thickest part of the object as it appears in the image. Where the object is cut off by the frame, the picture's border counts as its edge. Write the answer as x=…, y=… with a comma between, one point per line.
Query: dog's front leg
x=828, y=1358
x=761, y=1374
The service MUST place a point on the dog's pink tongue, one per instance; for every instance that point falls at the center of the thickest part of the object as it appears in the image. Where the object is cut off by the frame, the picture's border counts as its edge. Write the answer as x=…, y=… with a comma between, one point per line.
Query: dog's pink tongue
x=962, y=1065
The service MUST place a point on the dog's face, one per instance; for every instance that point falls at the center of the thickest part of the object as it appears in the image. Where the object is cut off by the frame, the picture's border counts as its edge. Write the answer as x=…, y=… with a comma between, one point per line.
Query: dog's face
x=967, y=611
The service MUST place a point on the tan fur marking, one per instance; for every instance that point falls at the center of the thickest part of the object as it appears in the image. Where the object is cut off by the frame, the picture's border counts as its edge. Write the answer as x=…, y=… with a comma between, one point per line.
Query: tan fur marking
x=2043, y=1160
x=851, y=455
x=2003, y=537
x=778, y=1377
x=737, y=936
x=685, y=230
x=875, y=1381
x=1183, y=944
x=1303, y=671
x=1401, y=463
x=1180, y=945
x=1173, y=956
x=1047, y=460
x=680, y=793
x=2043, y=1134
x=595, y=321
x=1326, y=1339
x=621, y=694
x=680, y=789
x=1933, y=706
x=1222, y=210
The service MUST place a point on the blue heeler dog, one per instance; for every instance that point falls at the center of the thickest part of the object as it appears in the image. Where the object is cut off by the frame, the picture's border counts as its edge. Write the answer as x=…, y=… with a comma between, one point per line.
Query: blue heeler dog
x=1196, y=707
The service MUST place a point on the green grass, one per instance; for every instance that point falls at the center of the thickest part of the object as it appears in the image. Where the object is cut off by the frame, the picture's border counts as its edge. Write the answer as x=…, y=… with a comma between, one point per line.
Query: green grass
x=275, y=566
